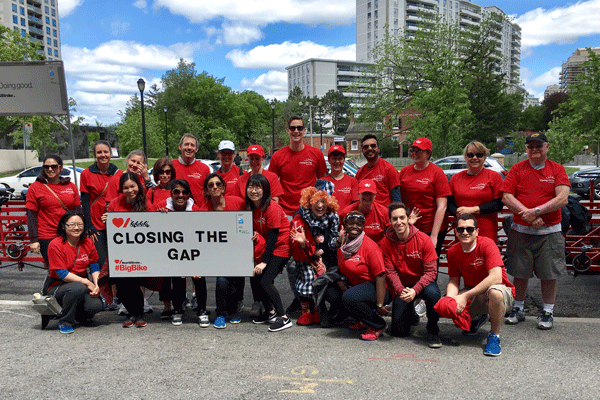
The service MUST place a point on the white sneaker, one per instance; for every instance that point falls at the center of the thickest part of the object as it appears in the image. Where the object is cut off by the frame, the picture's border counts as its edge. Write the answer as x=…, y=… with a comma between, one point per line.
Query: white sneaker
x=421, y=309
x=147, y=307
x=203, y=321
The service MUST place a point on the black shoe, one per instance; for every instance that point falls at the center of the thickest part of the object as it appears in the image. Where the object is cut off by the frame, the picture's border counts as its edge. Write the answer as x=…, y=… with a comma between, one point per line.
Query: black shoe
x=45, y=320
x=280, y=324
x=264, y=318
x=476, y=324
x=294, y=307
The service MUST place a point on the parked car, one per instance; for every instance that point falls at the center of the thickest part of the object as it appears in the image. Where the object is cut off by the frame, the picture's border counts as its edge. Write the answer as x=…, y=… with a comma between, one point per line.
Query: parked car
x=22, y=180
x=580, y=182
x=452, y=165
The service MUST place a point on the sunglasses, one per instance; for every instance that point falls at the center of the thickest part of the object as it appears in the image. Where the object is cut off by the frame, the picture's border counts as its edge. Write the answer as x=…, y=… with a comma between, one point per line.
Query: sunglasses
x=165, y=171
x=296, y=128
x=534, y=146
x=415, y=150
x=214, y=184
x=462, y=229
x=51, y=166
x=368, y=146
x=179, y=191
x=478, y=155
x=356, y=217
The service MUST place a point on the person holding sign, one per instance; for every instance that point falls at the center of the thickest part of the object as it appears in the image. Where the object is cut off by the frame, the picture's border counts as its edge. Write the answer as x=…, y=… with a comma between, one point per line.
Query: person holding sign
x=70, y=255
x=131, y=198
x=228, y=290
x=47, y=200
x=270, y=221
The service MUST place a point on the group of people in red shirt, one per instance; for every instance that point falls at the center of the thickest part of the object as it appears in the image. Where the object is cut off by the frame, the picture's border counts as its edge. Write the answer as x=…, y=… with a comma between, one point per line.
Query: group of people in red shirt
x=358, y=243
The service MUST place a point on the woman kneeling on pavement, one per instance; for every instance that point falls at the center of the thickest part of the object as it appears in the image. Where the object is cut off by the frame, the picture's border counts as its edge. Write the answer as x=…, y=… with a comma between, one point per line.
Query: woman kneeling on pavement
x=70, y=255
x=361, y=261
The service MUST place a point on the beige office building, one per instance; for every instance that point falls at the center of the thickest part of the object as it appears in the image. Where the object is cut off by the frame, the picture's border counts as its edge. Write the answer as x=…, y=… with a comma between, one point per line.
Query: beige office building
x=573, y=67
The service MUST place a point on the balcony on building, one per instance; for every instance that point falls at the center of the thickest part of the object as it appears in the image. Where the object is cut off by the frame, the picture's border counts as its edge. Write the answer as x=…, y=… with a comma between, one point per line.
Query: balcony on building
x=35, y=9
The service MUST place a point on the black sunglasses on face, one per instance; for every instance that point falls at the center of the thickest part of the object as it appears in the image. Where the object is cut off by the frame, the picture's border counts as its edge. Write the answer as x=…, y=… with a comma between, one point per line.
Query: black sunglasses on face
x=179, y=191
x=415, y=150
x=164, y=171
x=471, y=155
x=296, y=128
x=51, y=166
x=462, y=229
x=367, y=146
x=214, y=184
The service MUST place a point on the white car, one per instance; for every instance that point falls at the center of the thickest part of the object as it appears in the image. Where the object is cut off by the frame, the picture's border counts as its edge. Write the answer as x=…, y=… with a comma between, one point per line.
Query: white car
x=454, y=164
x=22, y=180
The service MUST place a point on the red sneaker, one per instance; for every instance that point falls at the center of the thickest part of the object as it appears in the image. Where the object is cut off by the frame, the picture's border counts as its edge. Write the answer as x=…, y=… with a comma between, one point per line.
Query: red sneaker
x=307, y=318
x=371, y=334
x=357, y=326
x=129, y=321
x=140, y=322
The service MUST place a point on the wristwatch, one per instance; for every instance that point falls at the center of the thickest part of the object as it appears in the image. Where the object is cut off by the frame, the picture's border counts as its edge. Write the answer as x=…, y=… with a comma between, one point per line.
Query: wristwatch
x=537, y=211
x=379, y=305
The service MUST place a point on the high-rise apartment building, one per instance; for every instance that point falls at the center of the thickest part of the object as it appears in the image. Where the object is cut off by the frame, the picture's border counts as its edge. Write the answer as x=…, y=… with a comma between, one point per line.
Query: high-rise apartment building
x=373, y=17
x=573, y=67
x=38, y=18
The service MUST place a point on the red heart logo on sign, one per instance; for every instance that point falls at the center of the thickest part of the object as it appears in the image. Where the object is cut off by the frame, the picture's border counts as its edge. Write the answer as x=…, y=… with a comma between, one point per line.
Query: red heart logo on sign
x=118, y=222
x=117, y=261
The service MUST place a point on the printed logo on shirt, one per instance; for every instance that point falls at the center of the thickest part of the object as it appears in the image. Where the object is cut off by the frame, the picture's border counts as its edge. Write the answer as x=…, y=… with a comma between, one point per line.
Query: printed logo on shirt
x=67, y=190
x=378, y=178
x=414, y=254
x=345, y=190
x=424, y=181
x=354, y=258
x=477, y=262
x=196, y=175
x=548, y=179
x=480, y=186
x=308, y=161
x=374, y=226
x=84, y=257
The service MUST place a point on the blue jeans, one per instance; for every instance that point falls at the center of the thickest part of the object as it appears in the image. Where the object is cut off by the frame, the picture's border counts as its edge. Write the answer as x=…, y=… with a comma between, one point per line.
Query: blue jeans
x=403, y=313
x=361, y=301
x=227, y=294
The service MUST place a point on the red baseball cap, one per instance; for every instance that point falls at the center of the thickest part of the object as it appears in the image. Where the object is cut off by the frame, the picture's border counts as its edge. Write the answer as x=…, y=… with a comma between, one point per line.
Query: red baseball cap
x=256, y=149
x=367, y=185
x=423, y=144
x=336, y=147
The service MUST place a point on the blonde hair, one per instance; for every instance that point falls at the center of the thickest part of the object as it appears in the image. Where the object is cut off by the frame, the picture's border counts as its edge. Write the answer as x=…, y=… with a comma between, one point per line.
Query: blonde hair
x=479, y=147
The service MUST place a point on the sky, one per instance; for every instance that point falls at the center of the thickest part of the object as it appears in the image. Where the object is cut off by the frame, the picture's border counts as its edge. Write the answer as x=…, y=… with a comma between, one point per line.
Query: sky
x=108, y=45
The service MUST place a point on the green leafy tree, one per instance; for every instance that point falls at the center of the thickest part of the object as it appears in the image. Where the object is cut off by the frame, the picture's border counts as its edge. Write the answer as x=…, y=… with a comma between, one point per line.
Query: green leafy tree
x=532, y=119
x=550, y=105
x=337, y=107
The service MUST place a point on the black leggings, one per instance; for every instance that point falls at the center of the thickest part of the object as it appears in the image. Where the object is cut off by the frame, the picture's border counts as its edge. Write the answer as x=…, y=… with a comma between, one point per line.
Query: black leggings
x=270, y=296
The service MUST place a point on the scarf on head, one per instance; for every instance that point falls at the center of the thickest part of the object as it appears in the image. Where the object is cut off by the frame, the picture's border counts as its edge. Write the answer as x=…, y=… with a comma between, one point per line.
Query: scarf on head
x=350, y=249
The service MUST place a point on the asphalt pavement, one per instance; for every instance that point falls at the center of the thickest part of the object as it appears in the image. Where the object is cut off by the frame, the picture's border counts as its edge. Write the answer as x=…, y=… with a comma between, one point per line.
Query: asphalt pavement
x=246, y=362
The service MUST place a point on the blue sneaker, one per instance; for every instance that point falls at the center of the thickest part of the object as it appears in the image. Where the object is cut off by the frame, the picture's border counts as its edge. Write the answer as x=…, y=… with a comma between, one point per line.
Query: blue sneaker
x=220, y=322
x=492, y=348
x=64, y=328
x=235, y=320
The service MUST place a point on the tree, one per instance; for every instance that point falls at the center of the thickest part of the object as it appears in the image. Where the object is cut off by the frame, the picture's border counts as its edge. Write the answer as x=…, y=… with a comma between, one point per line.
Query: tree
x=580, y=122
x=550, y=104
x=337, y=107
x=532, y=119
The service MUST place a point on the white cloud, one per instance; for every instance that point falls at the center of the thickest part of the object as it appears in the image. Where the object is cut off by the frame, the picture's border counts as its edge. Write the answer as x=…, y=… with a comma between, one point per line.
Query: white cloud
x=262, y=12
x=118, y=27
x=238, y=34
x=537, y=85
x=562, y=25
x=288, y=53
x=140, y=4
x=66, y=7
x=273, y=84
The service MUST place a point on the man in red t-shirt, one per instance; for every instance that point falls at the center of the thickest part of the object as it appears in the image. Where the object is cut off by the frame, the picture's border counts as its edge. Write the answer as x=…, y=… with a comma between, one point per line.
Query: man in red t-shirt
x=298, y=166
x=535, y=190
x=188, y=168
x=487, y=288
x=382, y=172
x=229, y=172
x=345, y=187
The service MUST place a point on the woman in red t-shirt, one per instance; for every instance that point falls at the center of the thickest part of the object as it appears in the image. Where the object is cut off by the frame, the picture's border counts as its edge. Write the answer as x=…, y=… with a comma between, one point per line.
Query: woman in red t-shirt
x=70, y=256
x=361, y=261
x=163, y=173
x=47, y=200
x=476, y=191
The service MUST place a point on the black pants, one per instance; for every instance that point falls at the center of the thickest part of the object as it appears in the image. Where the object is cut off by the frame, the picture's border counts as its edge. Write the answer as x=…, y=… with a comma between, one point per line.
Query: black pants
x=270, y=296
x=76, y=302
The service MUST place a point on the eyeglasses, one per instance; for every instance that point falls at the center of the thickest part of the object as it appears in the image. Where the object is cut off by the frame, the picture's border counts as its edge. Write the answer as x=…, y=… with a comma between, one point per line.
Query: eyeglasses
x=478, y=155
x=179, y=191
x=462, y=229
x=255, y=188
x=75, y=225
x=296, y=128
x=51, y=166
x=415, y=150
x=368, y=146
x=165, y=171
x=534, y=146
x=214, y=184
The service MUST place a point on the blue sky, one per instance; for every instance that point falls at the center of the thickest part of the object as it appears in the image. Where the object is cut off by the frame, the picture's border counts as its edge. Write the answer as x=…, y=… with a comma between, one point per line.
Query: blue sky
x=108, y=45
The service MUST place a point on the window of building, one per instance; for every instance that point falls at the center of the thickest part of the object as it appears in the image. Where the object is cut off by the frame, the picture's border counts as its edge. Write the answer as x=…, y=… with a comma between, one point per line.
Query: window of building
x=22, y=10
x=47, y=30
x=49, y=41
x=55, y=53
x=23, y=32
x=23, y=22
x=354, y=145
x=47, y=10
x=368, y=15
x=55, y=43
x=53, y=13
x=49, y=52
x=48, y=20
x=375, y=26
x=46, y=1
x=15, y=19
x=14, y=8
x=54, y=33
x=376, y=16
x=53, y=3
x=369, y=6
x=376, y=3
x=53, y=22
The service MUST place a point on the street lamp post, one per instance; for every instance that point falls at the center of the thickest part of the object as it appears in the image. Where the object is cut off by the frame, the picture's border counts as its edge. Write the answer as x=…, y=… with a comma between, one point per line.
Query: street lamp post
x=166, y=137
x=273, y=132
x=321, y=124
x=142, y=85
x=310, y=106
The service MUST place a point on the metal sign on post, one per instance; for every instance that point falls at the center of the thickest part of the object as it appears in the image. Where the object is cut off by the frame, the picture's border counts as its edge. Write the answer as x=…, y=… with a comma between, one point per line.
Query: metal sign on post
x=206, y=243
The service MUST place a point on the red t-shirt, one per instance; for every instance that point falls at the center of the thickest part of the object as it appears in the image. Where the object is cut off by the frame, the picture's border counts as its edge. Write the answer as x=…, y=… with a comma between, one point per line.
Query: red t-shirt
x=160, y=195
x=232, y=203
x=194, y=174
x=345, y=190
x=420, y=189
x=273, y=218
x=363, y=266
x=376, y=221
x=385, y=176
x=534, y=187
x=49, y=210
x=276, y=189
x=94, y=184
x=119, y=204
x=407, y=259
x=296, y=170
x=231, y=179
x=474, y=266
x=61, y=255
x=471, y=191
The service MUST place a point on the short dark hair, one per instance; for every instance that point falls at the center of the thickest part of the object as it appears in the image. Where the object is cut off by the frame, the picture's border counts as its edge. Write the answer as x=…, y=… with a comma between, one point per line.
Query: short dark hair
x=61, y=229
x=54, y=157
x=466, y=217
x=293, y=118
x=263, y=182
x=394, y=206
x=140, y=200
x=367, y=137
x=160, y=164
x=180, y=182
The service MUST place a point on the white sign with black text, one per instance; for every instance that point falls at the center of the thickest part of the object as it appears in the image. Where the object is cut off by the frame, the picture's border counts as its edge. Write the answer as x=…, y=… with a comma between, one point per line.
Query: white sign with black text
x=207, y=243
